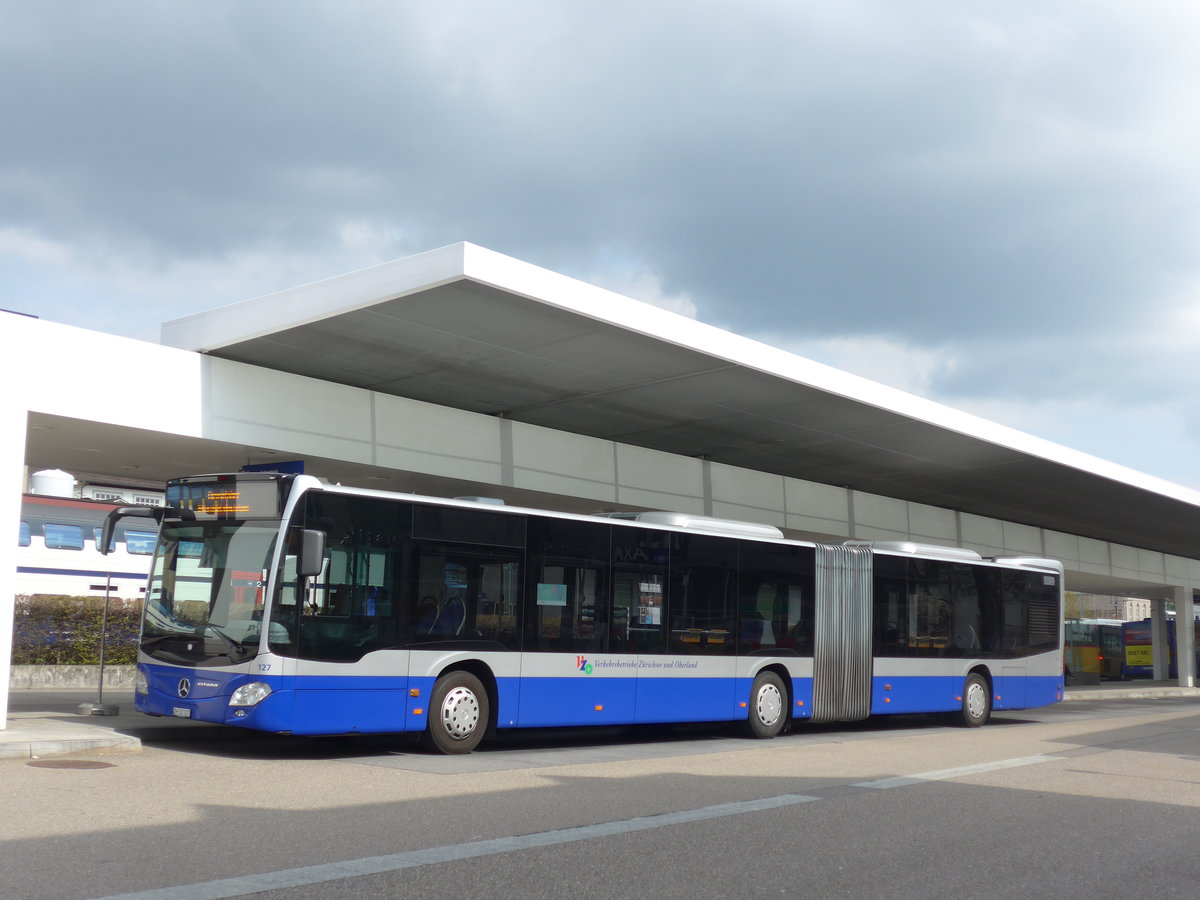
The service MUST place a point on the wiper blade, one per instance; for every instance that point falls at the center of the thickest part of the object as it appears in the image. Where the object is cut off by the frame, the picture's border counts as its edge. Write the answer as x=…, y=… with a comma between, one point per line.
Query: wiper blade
x=174, y=635
x=239, y=647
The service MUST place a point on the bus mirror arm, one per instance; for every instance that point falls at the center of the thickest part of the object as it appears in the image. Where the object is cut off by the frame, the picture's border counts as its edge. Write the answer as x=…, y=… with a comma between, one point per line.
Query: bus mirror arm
x=312, y=553
x=157, y=513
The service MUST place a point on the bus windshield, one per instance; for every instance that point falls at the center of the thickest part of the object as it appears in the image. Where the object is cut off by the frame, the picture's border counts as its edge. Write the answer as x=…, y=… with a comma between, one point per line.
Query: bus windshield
x=204, y=605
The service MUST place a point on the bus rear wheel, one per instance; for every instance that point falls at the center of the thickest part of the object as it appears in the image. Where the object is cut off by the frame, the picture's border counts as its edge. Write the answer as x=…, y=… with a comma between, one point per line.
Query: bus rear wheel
x=768, y=706
x=976, y=701
x=458, y=714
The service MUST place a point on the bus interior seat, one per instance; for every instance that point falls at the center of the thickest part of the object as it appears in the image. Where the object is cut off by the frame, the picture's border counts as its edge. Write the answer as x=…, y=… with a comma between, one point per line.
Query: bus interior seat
x=450, y=619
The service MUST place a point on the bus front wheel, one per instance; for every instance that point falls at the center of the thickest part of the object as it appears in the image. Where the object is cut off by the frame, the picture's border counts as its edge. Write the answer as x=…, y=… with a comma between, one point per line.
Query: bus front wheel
x=768, y=706
x=976, y=701
x=458, y=713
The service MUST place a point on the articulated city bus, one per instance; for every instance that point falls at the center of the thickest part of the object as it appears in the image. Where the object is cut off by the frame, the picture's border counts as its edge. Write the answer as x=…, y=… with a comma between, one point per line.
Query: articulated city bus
x=286, y=604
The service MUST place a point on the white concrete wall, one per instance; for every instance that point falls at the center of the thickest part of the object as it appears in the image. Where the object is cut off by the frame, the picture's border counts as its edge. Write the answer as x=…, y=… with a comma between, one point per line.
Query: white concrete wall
x=12, y=457
x=75, y=385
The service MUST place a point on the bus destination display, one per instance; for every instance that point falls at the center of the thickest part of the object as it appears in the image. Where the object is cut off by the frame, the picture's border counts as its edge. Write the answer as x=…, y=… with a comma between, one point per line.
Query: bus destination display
x=231, y=499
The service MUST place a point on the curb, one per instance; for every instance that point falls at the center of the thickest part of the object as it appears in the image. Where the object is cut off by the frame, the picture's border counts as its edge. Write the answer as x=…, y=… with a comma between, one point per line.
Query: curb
x=46, y=738
x=1131, y=694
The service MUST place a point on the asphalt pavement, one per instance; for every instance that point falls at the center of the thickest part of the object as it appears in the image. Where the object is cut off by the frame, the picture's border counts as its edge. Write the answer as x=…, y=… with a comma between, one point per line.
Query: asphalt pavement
x=43, y=724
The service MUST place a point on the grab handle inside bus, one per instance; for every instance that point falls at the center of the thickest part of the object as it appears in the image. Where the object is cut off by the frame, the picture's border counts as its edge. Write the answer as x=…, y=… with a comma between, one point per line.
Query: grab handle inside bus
x=312, y=553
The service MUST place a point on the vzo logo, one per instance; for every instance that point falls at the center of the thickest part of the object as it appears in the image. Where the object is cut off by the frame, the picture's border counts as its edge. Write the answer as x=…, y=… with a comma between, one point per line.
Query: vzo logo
x=583, y=665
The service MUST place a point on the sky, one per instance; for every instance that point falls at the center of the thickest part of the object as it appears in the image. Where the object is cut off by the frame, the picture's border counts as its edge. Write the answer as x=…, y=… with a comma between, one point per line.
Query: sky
x=994, y=205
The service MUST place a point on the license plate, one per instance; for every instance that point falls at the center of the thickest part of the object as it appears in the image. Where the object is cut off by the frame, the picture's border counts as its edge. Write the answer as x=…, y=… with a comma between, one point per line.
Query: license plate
x=181, y=711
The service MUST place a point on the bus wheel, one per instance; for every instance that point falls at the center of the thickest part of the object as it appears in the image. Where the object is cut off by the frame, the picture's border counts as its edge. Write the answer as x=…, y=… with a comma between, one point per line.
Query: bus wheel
x=768, y=706
x=976, y=702
x=458, y=713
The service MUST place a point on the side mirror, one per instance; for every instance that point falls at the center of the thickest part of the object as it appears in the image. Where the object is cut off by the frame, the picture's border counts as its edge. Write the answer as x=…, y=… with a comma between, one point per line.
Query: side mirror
x=311, y=560
x=109, y=528
x=157, y=513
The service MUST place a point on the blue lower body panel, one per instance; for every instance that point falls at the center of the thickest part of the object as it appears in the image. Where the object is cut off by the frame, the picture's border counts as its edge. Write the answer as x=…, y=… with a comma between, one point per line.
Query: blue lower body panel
x=930, y=693
x=546, y=702
x=308, y=705
x=315, y=705
x=922, y=694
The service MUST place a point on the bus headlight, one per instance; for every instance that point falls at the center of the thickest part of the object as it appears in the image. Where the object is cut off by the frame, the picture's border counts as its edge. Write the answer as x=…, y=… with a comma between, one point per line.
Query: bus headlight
x=250, y=694
x=140, y=683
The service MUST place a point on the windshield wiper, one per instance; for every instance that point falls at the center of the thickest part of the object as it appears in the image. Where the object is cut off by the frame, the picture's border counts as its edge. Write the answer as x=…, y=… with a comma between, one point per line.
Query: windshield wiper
x=239, y=647
x=174, y=635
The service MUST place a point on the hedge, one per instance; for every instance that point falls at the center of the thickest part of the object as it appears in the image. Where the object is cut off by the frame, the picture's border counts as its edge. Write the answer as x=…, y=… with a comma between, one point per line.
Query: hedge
x=66, y=631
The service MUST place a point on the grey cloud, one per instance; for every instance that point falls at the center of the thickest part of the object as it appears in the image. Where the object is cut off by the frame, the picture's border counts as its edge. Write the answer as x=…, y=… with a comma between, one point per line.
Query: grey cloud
x=983, y=175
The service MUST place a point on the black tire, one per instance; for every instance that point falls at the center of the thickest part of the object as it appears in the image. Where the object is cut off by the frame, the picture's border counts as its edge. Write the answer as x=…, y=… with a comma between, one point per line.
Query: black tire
x=976, y=701
x=768, y=706
x=458, y=714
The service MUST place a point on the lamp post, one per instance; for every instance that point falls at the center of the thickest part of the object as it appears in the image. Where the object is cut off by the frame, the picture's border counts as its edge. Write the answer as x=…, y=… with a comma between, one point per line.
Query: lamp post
x=98, y=707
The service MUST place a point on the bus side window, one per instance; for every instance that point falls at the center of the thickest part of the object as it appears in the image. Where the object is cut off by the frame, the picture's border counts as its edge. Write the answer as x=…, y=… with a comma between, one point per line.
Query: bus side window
x=776, y=597
x=568, y=574
x=350, y=609
x=640, y=564
x=890, y=617
x=701, y=597
x=466, y=594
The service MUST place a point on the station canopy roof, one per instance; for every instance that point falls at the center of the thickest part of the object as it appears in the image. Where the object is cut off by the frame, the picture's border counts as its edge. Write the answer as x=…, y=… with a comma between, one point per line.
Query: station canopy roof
x=467, y=328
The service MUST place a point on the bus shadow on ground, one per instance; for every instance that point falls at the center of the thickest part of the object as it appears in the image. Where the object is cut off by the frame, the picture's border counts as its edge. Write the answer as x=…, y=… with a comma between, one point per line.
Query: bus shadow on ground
x=582, y=744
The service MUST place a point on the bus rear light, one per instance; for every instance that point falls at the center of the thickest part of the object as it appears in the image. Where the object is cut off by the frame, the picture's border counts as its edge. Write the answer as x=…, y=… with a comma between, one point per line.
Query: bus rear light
x=799, y=702
x=417, y=712
x=742, y=704
x=599, y=709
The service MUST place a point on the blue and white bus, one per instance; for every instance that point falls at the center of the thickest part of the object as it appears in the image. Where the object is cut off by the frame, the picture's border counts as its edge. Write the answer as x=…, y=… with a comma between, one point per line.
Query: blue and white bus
x=287, y=604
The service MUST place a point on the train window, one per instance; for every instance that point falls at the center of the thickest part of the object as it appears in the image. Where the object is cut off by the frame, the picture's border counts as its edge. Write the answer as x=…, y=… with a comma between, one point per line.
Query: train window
x=23, y=538
x=140, y=542
x=112, y=541
x=63, y=537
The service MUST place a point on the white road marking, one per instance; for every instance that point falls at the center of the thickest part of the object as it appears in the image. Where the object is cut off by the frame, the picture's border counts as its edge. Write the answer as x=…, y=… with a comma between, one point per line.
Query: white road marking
x=944, y=774
x=374, y=865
